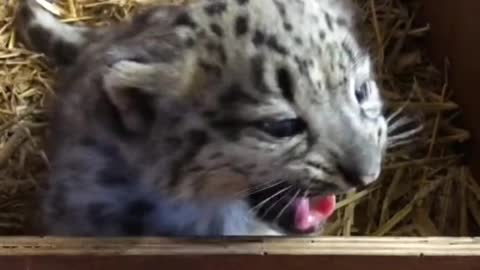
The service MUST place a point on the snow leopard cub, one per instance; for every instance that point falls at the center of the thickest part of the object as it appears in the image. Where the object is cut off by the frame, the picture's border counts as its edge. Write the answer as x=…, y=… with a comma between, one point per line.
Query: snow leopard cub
x=221, y=117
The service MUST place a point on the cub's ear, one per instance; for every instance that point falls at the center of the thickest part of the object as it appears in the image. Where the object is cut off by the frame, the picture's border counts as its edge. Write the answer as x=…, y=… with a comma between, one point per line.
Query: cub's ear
x=134, y=88
x=40, y=31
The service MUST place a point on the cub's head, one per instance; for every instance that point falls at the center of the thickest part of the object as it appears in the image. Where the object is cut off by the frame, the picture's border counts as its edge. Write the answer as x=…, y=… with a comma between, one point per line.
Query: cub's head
x=288, y=118
x=280, y=116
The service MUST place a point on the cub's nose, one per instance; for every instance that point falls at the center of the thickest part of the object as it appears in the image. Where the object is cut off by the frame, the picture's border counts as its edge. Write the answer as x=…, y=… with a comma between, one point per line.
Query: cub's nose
x=355, y=176
x=368, y=179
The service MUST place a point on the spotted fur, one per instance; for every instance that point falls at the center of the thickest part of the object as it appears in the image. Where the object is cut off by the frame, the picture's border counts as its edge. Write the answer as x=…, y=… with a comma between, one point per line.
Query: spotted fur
x=182, y=120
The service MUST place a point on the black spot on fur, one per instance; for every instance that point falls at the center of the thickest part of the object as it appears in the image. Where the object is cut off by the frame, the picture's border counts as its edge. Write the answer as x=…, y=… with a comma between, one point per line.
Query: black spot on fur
x=281, y=8
x=185, y=20
x=258, y=71
x=342, y=22
x=348, y=51
x=288, y=26
x=328, y=20
x=241, y=25
x=65, y=53
x=234, y=94
x=272, y=42
x=135, y=215
x=216, y=29
x=298, y=40
x=222, y=54
x=190, y=42
x=210, y=46
x=285, y=83
x=329, y=84
x=302, y=65
x=242, y=2
x=40, y=38
x=319, y=85
x=215, y=8
x=322, y=35
x=258, y=38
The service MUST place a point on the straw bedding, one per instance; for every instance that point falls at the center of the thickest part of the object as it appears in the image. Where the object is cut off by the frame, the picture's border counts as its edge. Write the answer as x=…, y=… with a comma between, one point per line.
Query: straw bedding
x=424, y=191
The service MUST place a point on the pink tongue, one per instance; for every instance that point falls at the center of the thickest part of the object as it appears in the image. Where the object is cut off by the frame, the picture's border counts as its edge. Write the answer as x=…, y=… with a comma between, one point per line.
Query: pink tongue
x=311, y=214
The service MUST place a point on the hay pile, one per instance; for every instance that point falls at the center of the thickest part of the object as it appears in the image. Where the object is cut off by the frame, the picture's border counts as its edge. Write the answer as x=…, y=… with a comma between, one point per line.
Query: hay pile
x=424, y=191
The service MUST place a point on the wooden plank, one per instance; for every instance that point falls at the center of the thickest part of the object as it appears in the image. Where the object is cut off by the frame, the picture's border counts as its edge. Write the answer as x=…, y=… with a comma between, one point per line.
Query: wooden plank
x=457, y=39
x=357, y=246
x=239, y=262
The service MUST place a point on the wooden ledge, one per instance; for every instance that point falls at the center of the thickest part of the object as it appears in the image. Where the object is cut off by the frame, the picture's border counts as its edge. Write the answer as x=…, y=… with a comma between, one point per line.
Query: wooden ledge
x=354, y=246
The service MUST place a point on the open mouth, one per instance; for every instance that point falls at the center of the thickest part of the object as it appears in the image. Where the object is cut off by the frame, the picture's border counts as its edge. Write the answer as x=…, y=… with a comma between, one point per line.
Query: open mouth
x=293, y=212
x=312, y=213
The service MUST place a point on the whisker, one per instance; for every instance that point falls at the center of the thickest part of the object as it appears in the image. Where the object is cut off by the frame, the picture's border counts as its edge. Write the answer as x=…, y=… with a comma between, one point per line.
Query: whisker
x=253, y=209
x=400, y=109
x=404, y=121
x=260, y=187
x=274, y=204
x=267, y=186
x=395, y=113
x=286, y=206
x=307, y=190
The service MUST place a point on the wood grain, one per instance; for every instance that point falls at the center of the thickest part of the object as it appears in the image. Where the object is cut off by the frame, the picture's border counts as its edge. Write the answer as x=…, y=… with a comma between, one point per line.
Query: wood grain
x=356, y=246
x=455, y=35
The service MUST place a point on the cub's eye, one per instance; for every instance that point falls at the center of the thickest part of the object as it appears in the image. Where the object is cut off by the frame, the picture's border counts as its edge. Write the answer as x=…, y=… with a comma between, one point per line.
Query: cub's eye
x=362, y=91
x=282, y=128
